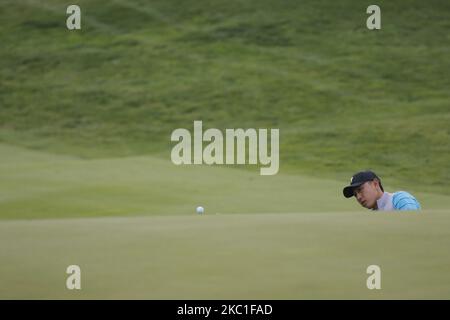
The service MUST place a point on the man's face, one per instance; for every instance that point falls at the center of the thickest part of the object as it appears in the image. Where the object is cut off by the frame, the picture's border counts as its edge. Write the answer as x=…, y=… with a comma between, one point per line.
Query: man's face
x=367, y=194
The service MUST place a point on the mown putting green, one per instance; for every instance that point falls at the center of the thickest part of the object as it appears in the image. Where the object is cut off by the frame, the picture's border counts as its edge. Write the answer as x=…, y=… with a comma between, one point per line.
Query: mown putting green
x=242, y=256
x=36, y=185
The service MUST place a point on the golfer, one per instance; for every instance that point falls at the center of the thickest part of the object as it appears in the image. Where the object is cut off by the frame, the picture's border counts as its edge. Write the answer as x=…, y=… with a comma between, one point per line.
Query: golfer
x=366, y=187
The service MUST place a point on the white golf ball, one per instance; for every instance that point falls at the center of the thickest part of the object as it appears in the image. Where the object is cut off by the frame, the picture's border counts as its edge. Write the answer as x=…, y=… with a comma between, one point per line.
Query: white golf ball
x=200, y=210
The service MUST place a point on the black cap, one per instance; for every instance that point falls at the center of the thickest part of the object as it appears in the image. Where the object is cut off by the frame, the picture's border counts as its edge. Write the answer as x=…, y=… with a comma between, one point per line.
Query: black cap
x=357, y=180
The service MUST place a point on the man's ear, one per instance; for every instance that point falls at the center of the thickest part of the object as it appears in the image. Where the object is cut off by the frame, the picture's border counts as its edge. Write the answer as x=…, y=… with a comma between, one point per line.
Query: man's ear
x=377, y=183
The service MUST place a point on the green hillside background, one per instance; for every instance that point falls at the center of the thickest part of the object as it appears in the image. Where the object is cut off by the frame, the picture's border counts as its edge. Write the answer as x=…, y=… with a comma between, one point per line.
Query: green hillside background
x=345, y=98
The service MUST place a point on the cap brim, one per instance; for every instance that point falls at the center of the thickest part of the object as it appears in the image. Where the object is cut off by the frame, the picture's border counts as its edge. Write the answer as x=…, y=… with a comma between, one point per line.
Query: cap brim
x=348, y=190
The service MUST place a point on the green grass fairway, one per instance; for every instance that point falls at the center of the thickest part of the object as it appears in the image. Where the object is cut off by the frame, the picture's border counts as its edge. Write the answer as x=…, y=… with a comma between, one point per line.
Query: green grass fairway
x=261, y=237
x=242, y=256
x=37, y=185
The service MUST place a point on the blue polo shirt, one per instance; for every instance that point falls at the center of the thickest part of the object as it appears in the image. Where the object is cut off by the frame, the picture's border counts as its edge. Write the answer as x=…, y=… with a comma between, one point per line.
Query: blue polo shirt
x=400, y=200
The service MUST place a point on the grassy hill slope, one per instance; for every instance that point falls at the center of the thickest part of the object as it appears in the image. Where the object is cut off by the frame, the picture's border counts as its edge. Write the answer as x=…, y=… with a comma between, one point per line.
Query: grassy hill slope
x=345, y=98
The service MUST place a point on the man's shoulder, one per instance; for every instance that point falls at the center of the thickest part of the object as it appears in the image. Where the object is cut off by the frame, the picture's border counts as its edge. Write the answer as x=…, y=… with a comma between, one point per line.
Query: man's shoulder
x=402, y=200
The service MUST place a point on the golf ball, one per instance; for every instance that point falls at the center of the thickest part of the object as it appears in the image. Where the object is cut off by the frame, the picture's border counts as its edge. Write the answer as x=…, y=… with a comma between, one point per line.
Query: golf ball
x=200, y=210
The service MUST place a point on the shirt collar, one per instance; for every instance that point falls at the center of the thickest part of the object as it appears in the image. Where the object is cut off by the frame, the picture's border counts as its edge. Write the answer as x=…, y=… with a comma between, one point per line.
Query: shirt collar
x=385, y=202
